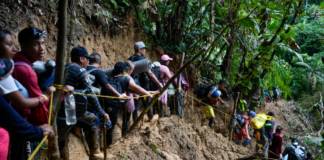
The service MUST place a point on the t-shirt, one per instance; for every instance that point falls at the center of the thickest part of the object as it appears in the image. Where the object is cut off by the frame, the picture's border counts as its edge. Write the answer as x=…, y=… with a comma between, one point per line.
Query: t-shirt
x=101, y=78
x=135, y=58
x=165, y=73
x=124, y=82
x=7, y=85
x=213, y=89
x=246, y=120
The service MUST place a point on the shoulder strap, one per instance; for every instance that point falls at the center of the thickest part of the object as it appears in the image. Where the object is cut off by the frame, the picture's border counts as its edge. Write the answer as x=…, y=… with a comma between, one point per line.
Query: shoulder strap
x=21, y=63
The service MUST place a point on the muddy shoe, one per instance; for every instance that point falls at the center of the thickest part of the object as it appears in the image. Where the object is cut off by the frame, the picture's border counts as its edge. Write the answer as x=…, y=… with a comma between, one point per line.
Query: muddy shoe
x=99, y=156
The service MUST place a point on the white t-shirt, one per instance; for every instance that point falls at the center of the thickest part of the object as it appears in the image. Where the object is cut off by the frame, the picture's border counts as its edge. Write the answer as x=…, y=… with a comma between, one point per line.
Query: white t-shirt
x=7, y=86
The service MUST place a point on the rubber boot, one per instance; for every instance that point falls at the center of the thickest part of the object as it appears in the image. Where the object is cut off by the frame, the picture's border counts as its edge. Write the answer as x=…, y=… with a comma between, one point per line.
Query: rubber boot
x=95, y=153
x=77, y=131
x=211, y=122
x=246, y=142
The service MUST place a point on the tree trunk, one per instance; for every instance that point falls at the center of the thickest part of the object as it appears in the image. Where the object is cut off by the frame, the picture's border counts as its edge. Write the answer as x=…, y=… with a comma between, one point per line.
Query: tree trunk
x=59, y=74
x=227, y=63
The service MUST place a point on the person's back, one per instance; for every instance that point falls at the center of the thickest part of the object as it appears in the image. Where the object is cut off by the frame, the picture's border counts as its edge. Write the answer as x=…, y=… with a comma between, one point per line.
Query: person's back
x=295, y=152
x=276, y=144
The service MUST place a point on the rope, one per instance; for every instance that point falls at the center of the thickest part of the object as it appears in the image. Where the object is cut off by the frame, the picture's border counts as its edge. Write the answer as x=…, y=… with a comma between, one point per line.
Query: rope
x=44, y=139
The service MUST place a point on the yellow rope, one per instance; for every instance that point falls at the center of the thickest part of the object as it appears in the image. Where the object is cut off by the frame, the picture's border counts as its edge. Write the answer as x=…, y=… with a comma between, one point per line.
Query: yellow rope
x=44, y=139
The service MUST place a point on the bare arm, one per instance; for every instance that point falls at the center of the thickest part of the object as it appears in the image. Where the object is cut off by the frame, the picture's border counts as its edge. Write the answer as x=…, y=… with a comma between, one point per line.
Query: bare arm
x=133, y=86
x=221, y=100
x=153, y=78
x=20, y=101
x=247, y=131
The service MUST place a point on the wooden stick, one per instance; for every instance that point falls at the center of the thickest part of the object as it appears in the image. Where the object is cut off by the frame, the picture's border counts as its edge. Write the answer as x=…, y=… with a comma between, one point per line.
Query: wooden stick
x=234, y=111
x=165, y=87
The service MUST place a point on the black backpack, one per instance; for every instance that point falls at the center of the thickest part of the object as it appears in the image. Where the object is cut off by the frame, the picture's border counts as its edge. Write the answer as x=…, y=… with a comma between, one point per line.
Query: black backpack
x=113, y=81
x=202, y=90
x=240, y=121
x=268, y=126
x=298, y=153
x=141, y=78
x=156, y=72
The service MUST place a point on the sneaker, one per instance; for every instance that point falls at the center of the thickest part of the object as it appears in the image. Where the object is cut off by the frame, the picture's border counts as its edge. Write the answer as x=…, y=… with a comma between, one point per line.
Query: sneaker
x=238, y=143
x=246, y=142
x=99, y=156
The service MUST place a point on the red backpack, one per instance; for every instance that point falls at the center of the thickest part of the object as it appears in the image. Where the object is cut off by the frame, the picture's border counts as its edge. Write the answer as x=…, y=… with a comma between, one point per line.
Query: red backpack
x=38, y=115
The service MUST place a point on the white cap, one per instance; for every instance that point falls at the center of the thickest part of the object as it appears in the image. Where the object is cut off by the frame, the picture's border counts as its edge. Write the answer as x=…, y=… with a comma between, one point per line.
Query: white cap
x=139, y=45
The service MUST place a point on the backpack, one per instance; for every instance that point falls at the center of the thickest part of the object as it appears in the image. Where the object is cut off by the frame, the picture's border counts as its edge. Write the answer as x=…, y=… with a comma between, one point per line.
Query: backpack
x=240, y=121
x=268, y=125
x=38, y=115
x=139, y=78
x=113, y=81
x=156, y=71
x=298, y=153
x=202, y=90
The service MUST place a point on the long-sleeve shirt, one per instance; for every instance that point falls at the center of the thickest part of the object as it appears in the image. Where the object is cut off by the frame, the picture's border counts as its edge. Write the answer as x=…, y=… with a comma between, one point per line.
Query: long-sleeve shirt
x=78, y=78
x=269, y=132
x=276, y=146
x=16, y=125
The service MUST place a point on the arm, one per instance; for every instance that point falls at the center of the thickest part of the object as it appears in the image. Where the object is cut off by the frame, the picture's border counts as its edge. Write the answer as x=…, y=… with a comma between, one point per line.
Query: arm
x=221, y=100
x=280, y=145
x=153, y=78
x=247, y=131
x=16, y=125
x=133, y=86
x=102, y=80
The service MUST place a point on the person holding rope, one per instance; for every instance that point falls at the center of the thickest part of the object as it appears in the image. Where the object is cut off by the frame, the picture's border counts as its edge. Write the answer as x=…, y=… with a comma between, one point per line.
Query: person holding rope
x=294, y=152
x=242, y=129
x=275, y=149
x=77, y=76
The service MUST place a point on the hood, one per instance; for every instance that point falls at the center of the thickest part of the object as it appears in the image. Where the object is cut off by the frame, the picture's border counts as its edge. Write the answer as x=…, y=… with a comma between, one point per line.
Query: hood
x=19, y=57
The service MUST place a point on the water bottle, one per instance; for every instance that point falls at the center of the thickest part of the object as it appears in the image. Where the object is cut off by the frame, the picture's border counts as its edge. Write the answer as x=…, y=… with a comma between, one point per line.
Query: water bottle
x=124, y=96
x=70, y=109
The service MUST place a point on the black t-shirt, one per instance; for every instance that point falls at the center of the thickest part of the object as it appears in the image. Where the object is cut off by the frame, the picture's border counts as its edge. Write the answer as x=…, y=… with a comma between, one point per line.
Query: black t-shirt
x=124, y=82
x=101, y=78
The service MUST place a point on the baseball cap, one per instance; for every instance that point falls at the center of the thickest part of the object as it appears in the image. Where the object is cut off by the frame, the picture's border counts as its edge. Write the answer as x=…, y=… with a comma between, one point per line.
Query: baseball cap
x=80, y=52
x=6, y=68
x=120, y=67
x=251, y=113
x=294, y=141
x=30, y=33
x=166, y=58
x=139, y=45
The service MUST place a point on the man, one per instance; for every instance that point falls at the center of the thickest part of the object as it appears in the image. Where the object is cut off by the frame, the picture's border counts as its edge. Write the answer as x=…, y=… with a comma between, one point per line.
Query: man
x=269, y=127
x=259, y=134
x=294, y=152
x=77, y=76
x=242, y=129
x=113, y=107
x=211, y=99
x=143, y=79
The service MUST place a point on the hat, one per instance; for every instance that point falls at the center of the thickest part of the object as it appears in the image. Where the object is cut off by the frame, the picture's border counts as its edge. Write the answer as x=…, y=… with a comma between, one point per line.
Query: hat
x=166, y=58
x=294, y=141
x=279, y=129
x=215, y=94
x=31, y=33
x=120, y=67
x=6, y=68
x=271, y=114
x=251, y=113
x=80, y=52
x=139, y=45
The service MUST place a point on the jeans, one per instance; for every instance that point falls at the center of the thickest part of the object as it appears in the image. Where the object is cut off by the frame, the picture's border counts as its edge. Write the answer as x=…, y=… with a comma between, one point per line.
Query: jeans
x=88, y=122
x=147, y=102
x=135, y=113
x=113, y=115
x=158, y=108
x=126, y=117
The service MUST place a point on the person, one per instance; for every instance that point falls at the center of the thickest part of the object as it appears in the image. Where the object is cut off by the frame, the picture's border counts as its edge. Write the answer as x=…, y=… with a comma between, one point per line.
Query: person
x=259, y=134
x=269, y=127
x=32, y=45
x=113, y=107
x=143, y=79
x=211, y=99
x=10, y=119
x=294, y=152
x=275, y=148
x=77, y=76
x=242, y=129
x=310, y=156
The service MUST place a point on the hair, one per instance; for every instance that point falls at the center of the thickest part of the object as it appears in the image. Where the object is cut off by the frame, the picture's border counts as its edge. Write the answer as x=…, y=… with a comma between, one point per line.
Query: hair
x=3, y=33
x=163, y=62
x=96, y=58
x=130, y=64
x=271, y=114
x=222, y=82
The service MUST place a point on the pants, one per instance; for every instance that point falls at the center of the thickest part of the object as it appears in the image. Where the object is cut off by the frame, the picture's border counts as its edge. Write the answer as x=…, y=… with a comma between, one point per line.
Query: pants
x=88, y=122
x=4, y=144
x=241, y=133
x=209, y=111
x=264, y=144
x=147, y=102
x=113, y=115
x=158, y=108
x=172, y=104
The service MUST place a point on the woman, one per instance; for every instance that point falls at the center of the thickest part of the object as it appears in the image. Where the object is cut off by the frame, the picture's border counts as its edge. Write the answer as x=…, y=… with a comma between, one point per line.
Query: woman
x=276, y=146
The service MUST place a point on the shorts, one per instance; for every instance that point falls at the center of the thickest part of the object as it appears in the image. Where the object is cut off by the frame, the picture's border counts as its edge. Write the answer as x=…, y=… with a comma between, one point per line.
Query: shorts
x=209, y=111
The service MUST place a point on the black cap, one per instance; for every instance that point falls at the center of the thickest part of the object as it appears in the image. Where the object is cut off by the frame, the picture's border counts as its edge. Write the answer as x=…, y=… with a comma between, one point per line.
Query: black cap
x=271, y=114
x=120, y=67
x=294, y=141
x=80, y=52
x=29, y=34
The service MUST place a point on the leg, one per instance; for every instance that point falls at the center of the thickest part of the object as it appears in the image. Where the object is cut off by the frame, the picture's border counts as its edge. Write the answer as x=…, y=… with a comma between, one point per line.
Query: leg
x=113, y=117
x=135, y=113
x=147, y=102
x=126, y=119
x=160, y=105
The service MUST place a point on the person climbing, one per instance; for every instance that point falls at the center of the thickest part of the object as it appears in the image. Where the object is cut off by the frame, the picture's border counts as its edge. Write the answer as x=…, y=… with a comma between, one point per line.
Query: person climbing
x=32, y=106
x=143, y=79
x=259, y=134
x=212, y=96
x=294, y=152
x=122, y=85
x=275, y=148
x=10, y=121
x=77, y=76
x=310, y=156
x=269, y=126
x=242, y=129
